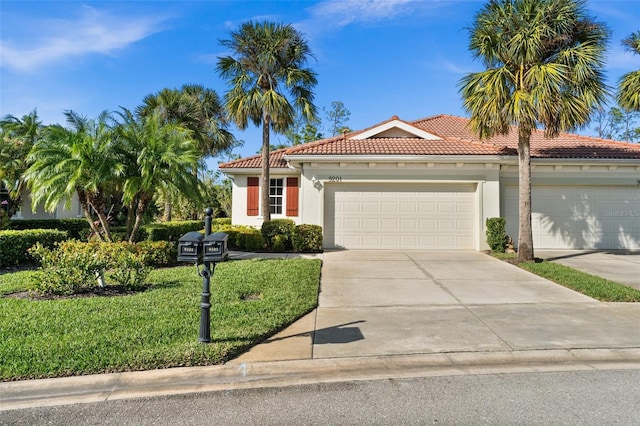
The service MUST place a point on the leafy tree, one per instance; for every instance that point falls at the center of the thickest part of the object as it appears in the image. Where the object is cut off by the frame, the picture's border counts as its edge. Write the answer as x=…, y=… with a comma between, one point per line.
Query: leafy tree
x=616, y=123
x=157, y=156
x=216, y=193
x=17, y=137
x=628, y=95
x=629, y=131
x=338, y=116
x=302, y=131
x=544, y=66
x=607, y=123
x=267, y=62
x=77, y=159
x=198, y=109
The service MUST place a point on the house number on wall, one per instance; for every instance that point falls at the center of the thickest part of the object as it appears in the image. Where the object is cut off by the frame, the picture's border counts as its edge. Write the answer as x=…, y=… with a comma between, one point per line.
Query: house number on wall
x=339, y=179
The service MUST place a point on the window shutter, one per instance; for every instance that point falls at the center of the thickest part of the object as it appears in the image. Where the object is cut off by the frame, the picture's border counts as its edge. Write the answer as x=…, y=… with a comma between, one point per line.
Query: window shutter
x=292, y=196
x=252, y=196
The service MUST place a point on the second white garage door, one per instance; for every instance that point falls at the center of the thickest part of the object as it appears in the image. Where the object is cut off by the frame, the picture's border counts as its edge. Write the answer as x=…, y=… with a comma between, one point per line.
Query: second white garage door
x=399, y=216
x=579, y=217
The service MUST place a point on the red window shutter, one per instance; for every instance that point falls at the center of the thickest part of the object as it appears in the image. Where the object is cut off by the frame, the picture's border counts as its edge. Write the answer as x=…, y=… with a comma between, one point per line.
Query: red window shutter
x=292, y=196
x=252, y=196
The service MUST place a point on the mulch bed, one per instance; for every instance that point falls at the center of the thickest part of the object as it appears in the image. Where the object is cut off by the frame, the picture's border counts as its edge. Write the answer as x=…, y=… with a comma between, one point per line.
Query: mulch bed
x=109, y=291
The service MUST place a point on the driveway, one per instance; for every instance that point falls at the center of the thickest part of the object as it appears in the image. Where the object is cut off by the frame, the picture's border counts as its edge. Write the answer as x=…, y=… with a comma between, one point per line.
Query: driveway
x=616, y=265
x=409, y=302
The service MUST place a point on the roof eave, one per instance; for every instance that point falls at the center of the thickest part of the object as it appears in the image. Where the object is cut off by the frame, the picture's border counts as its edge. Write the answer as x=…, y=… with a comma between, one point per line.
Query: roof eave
x=399, y=158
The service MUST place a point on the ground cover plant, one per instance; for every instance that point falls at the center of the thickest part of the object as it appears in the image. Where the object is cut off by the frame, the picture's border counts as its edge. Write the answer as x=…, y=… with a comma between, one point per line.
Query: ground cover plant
x=155, y=328
x=582, y=282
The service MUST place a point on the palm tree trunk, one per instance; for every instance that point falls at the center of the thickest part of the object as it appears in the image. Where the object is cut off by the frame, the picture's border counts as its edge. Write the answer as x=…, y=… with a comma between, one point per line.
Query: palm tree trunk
x=525, y=234
x=266, y=205
x=143, y=202
x=166, y=217
x=131, y=216
x=82, y=198
x=97, y=200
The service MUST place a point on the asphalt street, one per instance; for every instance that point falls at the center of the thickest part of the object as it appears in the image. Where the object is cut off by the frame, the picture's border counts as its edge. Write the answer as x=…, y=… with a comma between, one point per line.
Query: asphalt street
x=549, y=398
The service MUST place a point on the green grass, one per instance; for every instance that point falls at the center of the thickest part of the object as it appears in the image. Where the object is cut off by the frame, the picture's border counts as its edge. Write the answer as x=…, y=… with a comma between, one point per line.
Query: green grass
x=157, y=328
x=582, y=282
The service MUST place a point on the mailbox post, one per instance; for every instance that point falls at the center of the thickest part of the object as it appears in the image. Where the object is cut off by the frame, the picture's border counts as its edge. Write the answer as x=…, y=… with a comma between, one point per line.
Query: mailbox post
x=209, y=249
x=205, y=304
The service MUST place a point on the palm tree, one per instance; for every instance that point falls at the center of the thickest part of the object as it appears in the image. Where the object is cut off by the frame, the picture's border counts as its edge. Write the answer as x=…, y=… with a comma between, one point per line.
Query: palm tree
x=268, y=61
x=157, y=156
x=544, y=67
x=18, y=137
x=628, y=96
x=78, y=159
x=198, y=109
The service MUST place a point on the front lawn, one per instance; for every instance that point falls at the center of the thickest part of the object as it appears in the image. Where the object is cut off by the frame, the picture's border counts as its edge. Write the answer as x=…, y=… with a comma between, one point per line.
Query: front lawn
x=157, y=328
x=587, y=284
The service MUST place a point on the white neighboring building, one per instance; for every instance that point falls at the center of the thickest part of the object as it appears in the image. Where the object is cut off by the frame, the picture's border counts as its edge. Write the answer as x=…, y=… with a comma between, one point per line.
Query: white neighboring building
x=61, y=212
x=431, y=184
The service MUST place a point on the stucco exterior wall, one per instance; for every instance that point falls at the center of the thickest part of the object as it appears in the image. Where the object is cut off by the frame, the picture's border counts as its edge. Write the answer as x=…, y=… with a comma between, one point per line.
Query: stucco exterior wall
x=27, y=212
x=239, y=200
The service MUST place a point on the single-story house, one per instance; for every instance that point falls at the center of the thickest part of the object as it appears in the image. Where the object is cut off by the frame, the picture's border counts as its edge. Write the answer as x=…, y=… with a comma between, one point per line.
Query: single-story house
x=432, y=183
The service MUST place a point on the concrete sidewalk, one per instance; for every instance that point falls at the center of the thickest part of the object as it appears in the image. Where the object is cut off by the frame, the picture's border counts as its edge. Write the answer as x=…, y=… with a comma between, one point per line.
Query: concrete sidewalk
x=621, y=266
x=396, y=314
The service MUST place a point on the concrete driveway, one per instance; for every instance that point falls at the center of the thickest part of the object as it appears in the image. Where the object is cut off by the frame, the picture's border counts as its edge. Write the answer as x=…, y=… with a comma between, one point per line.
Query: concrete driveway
x=617, y=265
x=380, y=303
x=407, y=302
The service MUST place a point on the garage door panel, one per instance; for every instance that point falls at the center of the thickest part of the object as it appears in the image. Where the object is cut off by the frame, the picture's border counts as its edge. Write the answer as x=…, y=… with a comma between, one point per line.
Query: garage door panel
x=429, y=207
x=581, y=217
x=369, y=207
x=400, y=216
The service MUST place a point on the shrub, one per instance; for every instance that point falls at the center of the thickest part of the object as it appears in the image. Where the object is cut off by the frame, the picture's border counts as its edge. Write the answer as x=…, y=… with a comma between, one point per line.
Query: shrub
x=14, y=245
x=496, y=234
x=4, y=219
x=157, y=253
x=67, y=269
x=128, y=269
x=220, y=221
x=242, y=237
x=76, y=229
x=283, y=230
x=169, y=231
x=73, y=266
x=307, y=238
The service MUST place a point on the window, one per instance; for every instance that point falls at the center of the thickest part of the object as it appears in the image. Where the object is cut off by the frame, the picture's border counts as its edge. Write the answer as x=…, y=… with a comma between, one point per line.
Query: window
x=282, y=199
x=276, y=189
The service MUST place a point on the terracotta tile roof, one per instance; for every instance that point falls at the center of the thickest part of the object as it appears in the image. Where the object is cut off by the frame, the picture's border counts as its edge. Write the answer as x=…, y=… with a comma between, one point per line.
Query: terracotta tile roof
x=276, y=160
x=566, y=145
x=455, y=139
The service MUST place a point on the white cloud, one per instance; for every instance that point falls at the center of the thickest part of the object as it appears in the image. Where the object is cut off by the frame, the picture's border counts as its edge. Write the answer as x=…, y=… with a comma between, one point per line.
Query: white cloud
x=345, y=12
x=94, y=31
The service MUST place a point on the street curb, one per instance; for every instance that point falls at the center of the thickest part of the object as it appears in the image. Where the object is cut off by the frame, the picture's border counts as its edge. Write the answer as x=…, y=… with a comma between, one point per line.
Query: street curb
x=246, y=375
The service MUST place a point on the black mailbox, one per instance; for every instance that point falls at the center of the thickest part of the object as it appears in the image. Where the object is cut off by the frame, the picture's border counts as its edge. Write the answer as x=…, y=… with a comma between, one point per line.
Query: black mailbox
x=214, y=247
x=189, y=247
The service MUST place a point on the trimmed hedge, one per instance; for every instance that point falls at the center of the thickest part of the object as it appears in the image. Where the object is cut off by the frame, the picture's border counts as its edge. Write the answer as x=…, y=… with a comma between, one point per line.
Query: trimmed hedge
x=75, y=228
x=242, y=237
x=307, y=238
x=14, y=245
x=169, y=231
x=278, y=234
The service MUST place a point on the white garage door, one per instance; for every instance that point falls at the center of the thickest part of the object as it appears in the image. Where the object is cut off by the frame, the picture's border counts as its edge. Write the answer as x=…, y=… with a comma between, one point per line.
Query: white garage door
x=579, y=217
x=399, y=216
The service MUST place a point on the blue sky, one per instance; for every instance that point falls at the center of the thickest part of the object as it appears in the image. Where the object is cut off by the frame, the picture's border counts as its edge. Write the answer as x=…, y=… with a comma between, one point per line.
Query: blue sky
x=380, y=58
